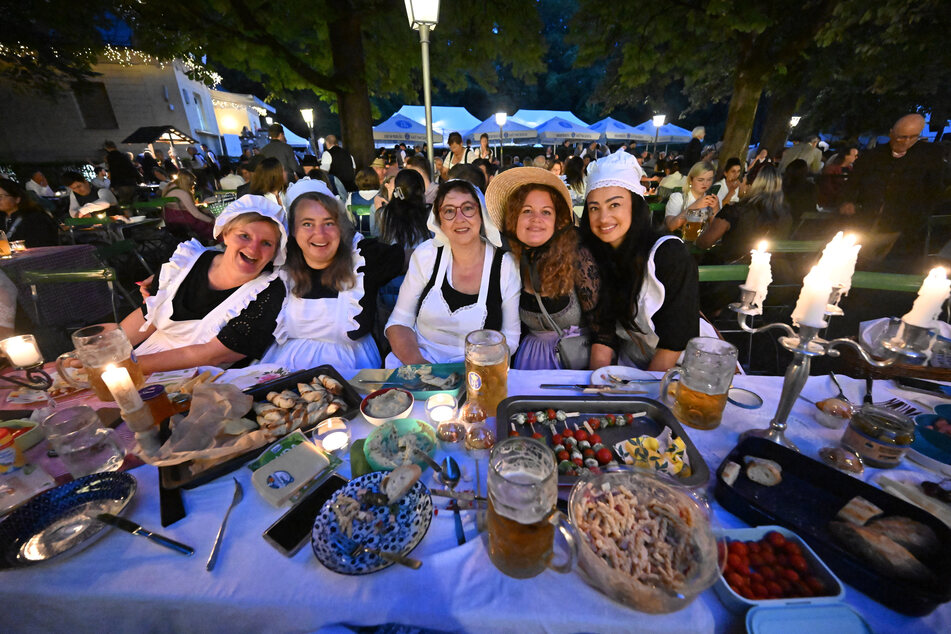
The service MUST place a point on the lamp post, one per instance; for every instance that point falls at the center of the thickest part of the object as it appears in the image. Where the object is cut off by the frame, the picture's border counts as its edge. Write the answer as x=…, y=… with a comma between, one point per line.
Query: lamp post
x=793, y=122
x=423, y=16
x=659, y=120
x=308, y=115
x=500, y=119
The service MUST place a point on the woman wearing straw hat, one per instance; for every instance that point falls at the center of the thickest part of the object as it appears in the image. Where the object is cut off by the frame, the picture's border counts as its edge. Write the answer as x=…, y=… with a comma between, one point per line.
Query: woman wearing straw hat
x=214, y=307
x=457, y=282
x=649, y=277
x=561, y=284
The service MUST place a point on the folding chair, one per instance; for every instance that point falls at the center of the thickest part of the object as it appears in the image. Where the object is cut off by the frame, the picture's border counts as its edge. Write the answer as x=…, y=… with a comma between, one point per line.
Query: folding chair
x=364, y=218
x=117, y=256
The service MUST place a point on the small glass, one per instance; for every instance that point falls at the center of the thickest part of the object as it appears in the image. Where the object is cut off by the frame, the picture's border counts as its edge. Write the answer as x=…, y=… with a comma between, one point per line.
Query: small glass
x=333, y=435
x=479, y=438
x=441, y=411
x=22, y=351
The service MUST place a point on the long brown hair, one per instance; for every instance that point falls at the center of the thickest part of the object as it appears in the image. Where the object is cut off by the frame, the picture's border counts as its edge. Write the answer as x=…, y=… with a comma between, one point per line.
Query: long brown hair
x=558, y=259
x=339, y=274
x=268, y=178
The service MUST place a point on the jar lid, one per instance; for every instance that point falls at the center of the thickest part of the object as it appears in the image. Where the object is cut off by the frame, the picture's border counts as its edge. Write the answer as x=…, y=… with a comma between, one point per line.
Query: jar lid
x=151, y=391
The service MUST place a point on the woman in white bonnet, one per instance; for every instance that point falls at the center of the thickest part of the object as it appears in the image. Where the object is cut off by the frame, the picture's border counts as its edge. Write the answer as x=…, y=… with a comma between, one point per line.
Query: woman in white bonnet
x=210, y=306
x=457, y=282
x=649, y=278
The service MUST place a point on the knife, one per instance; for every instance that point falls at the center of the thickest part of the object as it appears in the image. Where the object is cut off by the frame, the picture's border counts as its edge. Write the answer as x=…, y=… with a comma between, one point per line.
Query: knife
x=621, y=389
x=131, y=527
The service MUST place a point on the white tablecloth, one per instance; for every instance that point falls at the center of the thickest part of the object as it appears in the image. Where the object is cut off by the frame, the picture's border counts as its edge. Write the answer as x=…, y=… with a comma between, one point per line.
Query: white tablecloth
x=125, y=583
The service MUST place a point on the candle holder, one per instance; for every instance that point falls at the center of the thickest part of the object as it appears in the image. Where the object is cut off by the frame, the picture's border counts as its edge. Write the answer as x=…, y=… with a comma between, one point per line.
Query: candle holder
x=25, y=355
x=746, y=306
x=910, y=341
x=806, y=344
x=832, y=308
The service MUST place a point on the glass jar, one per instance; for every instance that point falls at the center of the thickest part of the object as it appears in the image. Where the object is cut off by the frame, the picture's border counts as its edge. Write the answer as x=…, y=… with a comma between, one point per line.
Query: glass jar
x=880, y=436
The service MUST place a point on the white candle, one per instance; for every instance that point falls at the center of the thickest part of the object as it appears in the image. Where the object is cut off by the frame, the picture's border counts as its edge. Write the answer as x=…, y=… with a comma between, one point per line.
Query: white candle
x=335, y=440
x=760, y=275
x=441, y=413
x=22, y=351
x=838, y=260
x=119, y=382
x=931, y=296
x=813, y=298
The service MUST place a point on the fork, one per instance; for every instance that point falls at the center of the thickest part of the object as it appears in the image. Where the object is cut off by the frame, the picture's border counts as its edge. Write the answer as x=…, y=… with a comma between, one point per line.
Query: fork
x=238, y=496
x=353, y=548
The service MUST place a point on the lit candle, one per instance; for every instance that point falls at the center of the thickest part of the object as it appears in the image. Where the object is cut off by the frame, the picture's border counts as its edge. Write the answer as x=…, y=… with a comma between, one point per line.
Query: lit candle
x=931, y=296
x=441, y=413
x=760, y=275
x=335, y=440
x=838, y=260
x=22, y=351
x=119, y=382
x=811, y=307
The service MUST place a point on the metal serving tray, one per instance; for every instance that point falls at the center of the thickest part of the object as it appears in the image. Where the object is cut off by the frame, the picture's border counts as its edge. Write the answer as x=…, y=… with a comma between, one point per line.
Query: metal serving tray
x=658, y=417
x=809, y=497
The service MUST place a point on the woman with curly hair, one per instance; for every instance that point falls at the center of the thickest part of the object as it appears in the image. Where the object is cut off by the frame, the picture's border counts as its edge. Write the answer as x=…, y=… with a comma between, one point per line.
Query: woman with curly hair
x=561, y=285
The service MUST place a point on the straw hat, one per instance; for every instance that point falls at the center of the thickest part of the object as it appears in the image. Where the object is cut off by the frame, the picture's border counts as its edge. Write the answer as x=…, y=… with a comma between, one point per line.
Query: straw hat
x=508, y=182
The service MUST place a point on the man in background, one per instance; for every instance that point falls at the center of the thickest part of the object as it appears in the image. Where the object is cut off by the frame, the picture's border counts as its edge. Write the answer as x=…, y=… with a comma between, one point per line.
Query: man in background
x=338, y=162
x=805, y=150
x=122, y=174
x=82, y=193
x=279, y=149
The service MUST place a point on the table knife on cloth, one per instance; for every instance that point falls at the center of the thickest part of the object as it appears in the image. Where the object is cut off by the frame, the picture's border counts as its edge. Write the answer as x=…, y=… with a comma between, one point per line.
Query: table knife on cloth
x=131, y=527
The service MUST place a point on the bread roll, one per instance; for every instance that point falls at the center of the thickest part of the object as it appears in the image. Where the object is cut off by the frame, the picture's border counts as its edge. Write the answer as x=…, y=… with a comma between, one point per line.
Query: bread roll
x=858, y=511
x=763, y=471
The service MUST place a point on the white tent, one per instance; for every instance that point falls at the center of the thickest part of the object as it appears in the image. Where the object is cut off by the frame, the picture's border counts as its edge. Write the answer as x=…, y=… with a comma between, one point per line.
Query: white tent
x=296, y=142
x=556, y=130
x=614, y=130
x=512, y=131
x=399, y=128
x=534, y=118
x=446, y=119
x=667, y=133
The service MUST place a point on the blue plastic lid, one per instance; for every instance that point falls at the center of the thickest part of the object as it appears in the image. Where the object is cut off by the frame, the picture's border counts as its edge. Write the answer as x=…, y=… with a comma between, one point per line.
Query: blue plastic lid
x=835, y=618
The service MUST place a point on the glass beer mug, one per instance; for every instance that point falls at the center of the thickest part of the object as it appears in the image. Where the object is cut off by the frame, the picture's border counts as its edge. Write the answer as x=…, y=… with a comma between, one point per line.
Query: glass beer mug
x=523, y=490
x=695, y=221
x=487, y=368
x=706, y=373
x=96, y=347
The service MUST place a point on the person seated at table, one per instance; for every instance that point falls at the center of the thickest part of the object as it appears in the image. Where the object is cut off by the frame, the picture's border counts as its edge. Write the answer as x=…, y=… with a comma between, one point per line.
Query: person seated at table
x=215, y=307
x=39, y=185
x=672, y=181
x=649, y=279
x=8, y=306
x=534, y=208
x=229, y=180
x=420, y=163
x=757, y=163
x=403, y=220
x=693, y=196
x=82, y=193
x=268, y=180
x=457, y=282
x=332, y=277
x=22, y=219
x=368, y=185
x=731, y=185
x=184, y=212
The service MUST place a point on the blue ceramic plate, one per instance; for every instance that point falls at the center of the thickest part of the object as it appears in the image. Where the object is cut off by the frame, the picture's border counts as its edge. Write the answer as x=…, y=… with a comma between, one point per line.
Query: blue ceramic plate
x=422, y=391
x=63, y=519
x=396, y=528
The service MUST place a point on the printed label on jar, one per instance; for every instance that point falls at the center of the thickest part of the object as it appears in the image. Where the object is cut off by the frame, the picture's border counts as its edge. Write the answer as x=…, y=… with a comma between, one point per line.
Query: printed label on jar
x=872, y=451
x=475, y=381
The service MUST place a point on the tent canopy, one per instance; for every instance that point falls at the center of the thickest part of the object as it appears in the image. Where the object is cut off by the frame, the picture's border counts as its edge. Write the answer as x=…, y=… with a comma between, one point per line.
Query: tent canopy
x=556, y=130
x=667, y=133
x=399, y=128
x=446, y=119
x=534, y=118
x=159, y=133
x=296, y=141
x=511, y=130
x=614, y=130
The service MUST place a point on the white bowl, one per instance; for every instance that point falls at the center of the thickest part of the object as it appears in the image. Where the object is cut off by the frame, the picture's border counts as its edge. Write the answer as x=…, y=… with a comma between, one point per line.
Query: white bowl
x=377, y=421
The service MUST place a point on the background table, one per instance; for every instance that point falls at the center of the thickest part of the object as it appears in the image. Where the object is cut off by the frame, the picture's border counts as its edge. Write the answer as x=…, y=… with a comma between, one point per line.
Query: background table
x=125, y=583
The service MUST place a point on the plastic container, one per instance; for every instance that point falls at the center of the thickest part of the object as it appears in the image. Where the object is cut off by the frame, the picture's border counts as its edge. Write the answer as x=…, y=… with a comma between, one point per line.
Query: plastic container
x=880, y=436
x=11, y=457
x=737, y=603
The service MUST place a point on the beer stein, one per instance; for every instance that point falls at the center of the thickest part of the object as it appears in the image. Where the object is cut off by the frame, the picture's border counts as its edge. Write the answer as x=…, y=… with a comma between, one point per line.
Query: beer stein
x=523, y=490
x=82, y=443
x=487, y=368
x=696, y=218
x=96, y=347
x=706, y=373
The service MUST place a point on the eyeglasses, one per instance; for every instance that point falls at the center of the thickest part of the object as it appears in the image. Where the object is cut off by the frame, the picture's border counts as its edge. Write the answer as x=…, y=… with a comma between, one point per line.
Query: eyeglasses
x=468, y=210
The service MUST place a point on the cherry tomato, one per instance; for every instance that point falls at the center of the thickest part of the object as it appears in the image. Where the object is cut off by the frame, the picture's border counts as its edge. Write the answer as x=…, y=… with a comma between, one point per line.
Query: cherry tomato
x=768, y=572
x=736, y=580
x=594, y=439
x=799, y=563
x=752, y=547
x=803, y=589
x=530, y=418
x=563, y=455
x=782, y=560
x=612, y=419
x=629, y=418
x=759, y=591
x=785, y=586
x=745, y=592
x=595, y=423
x=815, y=584
x=757, y=578
x=603, y=455
x=792, y=549
x=756, y=560
x=776, y=539
x=568, y=433
x=537, y=436
x=595, y=470
x=792, y=575
x=734, y=562
x=773, y=588
x=556, y=439
x=587, y=453
x=768, y=557
x=579, y=462
x=551, y=414
x=739, y=548
x=581, y=435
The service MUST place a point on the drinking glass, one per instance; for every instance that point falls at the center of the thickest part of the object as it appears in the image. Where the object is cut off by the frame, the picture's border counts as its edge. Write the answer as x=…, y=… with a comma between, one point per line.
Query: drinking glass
x=487, y=368
x=523, y=490
x=83, y=444
x=97, y=347
x=706, y=373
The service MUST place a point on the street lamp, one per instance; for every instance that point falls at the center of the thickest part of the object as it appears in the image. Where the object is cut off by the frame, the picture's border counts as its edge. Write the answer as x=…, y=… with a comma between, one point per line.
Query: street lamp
x=659, y=120
x=500, y=119
x=423, y=16
x=308, y=115
x=794, y=121
x=268, y=120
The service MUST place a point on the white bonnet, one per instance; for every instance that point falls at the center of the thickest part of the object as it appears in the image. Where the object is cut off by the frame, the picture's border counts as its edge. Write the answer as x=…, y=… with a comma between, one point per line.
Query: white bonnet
x=489, y=227
x=262, y=206
x=620, y=169
x=304, y=186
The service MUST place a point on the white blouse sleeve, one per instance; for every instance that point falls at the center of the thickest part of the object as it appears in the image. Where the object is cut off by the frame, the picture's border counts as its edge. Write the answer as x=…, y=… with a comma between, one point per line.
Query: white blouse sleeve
x=675, y=204
x=420, y=270
x=511, y=286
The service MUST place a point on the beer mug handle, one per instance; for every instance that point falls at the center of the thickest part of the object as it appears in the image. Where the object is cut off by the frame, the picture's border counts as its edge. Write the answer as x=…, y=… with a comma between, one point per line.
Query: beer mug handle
x=113, y=439
x=568, y=533
x=665, y=383
x=65, y=374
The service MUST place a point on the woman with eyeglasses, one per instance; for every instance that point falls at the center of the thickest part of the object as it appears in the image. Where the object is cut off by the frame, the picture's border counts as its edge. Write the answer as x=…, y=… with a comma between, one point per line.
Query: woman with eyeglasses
x=23, y=219
x=457, y=282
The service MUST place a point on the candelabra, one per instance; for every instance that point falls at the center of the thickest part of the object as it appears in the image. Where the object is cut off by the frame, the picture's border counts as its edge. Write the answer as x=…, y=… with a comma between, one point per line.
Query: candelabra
x=36, y=378
x=908, y=342
x=24, y=354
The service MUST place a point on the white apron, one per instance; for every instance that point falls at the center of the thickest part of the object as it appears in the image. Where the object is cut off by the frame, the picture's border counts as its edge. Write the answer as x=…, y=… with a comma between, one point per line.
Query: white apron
x=312, y=332
x=170, y=334
x=440, y=332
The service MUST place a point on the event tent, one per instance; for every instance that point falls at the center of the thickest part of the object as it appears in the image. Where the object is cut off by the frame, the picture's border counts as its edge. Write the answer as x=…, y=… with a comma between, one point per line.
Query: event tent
x=512, y=131
x=667, y=133
x=556, y=130
x=446, y=119
x=297, y=142
x=399, y=128
x=614, y=130
x=534, y=118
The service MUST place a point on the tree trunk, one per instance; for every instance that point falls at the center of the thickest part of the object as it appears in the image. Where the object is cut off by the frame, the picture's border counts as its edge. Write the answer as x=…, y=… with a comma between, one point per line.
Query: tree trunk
x=353, y=95
x=776, y=129
x=739, y=122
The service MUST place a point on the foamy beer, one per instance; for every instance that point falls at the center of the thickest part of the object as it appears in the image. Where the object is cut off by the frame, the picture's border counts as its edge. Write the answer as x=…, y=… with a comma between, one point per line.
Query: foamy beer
x=487, y=368
x=706, y=373
x=694, y=225
x=96, y=347
x=523, y=490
